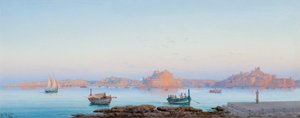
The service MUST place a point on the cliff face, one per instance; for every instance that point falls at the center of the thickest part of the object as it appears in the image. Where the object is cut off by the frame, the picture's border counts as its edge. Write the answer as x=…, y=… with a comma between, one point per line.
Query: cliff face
x=119, y=82
x=162, y=79
x=256, y=78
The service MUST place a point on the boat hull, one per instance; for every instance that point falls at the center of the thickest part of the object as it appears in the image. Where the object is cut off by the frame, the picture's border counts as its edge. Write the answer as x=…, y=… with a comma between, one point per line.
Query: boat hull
x=51, y=90
x=179, y=101
x=215, y=91
x=100, y=101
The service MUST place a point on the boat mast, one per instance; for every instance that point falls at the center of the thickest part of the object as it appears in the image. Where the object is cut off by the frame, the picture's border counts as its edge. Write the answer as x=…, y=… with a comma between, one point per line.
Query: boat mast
x=55, y=83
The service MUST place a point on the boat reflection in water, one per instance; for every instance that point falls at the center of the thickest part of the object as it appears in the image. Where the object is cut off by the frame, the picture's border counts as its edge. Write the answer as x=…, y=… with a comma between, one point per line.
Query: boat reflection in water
x=161, y=92
x=100, y=105
x=182, y=100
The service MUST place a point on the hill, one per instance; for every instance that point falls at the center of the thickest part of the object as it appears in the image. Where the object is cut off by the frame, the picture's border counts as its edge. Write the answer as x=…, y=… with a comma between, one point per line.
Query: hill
x=162, y=79
x=256, y=78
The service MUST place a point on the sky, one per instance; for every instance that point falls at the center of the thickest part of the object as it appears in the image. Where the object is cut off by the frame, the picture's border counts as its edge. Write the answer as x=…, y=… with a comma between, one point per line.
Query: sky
x=194, y=39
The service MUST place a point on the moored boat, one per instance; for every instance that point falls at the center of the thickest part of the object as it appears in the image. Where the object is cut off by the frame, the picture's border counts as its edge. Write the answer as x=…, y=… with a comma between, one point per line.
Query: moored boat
x=100, y=98
x=215, y=90
x=182, y=100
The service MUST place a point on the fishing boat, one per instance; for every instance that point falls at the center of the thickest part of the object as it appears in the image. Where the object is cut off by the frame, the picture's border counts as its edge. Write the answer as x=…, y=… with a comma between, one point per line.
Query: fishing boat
x=215, y=90
x=182, y=100
x=52, y=86
x=100, y=98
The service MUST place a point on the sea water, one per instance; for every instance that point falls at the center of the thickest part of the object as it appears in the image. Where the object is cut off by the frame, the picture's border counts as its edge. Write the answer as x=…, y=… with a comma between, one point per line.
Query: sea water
x=34, y=103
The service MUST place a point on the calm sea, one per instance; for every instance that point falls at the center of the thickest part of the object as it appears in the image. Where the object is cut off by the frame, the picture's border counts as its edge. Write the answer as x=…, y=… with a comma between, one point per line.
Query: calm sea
x=34, y=103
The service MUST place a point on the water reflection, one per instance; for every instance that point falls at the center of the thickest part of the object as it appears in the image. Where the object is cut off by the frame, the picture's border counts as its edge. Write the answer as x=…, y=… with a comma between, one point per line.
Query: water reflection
x=100, y=105
x=51, y=94
x=162, y=92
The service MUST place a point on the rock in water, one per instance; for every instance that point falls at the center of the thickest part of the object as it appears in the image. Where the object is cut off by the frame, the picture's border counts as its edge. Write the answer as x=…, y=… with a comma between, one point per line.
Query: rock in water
x=164, y=79
x=150, y=111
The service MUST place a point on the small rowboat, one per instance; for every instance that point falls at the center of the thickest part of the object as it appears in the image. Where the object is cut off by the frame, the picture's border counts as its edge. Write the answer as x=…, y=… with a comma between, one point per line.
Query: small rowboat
x=215, y=90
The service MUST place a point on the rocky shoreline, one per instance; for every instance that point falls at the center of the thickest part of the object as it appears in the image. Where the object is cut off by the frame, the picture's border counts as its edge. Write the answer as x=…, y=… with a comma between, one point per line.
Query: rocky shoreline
x=150, y=111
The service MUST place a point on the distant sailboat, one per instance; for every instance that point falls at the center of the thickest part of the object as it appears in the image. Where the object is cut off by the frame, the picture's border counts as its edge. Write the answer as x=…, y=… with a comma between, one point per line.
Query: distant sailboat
x=52, y=86
x=49, y=83
x=215, y=90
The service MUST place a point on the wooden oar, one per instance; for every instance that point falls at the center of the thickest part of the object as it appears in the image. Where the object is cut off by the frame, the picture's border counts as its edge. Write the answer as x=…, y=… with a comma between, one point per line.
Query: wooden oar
x=196, y=102
x=112, y=96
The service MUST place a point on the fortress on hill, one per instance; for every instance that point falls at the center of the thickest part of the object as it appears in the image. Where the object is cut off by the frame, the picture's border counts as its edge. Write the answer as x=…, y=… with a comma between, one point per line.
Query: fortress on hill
x=164, y=79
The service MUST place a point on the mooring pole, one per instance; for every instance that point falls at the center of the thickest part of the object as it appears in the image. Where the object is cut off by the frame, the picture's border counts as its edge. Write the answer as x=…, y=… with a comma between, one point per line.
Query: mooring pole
x=257, y=97
x=91, y=92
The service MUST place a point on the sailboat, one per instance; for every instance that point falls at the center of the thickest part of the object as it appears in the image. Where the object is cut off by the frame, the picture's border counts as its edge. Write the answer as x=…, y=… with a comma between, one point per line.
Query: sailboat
x=52, y=86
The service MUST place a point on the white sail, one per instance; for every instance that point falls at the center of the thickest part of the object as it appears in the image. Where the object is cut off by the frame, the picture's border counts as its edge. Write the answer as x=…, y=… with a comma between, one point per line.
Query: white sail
x=54, y=85
x=49, y=83
x=56, y=82
x=58, y=85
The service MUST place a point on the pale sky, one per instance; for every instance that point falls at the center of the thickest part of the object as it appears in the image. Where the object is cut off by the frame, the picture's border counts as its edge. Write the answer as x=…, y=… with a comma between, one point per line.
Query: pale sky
x=195, y=39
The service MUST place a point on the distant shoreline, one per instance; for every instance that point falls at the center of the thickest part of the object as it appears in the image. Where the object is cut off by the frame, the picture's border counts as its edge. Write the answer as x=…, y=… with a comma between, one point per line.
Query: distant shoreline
x=165, y=79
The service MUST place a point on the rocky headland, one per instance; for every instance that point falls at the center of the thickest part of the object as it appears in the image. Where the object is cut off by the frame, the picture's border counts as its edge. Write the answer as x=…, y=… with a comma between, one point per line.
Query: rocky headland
x=164, y=79
x=150, y=111
x=256, y=78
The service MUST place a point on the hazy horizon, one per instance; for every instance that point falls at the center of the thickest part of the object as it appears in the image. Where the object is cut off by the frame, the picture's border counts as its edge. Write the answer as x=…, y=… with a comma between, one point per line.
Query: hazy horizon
x=90, y=40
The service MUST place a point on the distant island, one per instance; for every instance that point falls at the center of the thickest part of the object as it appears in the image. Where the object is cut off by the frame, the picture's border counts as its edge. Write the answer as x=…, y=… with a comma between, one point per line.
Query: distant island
x=165, y=79
x=118, y=82
x=62, y=83
x=257, y=78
